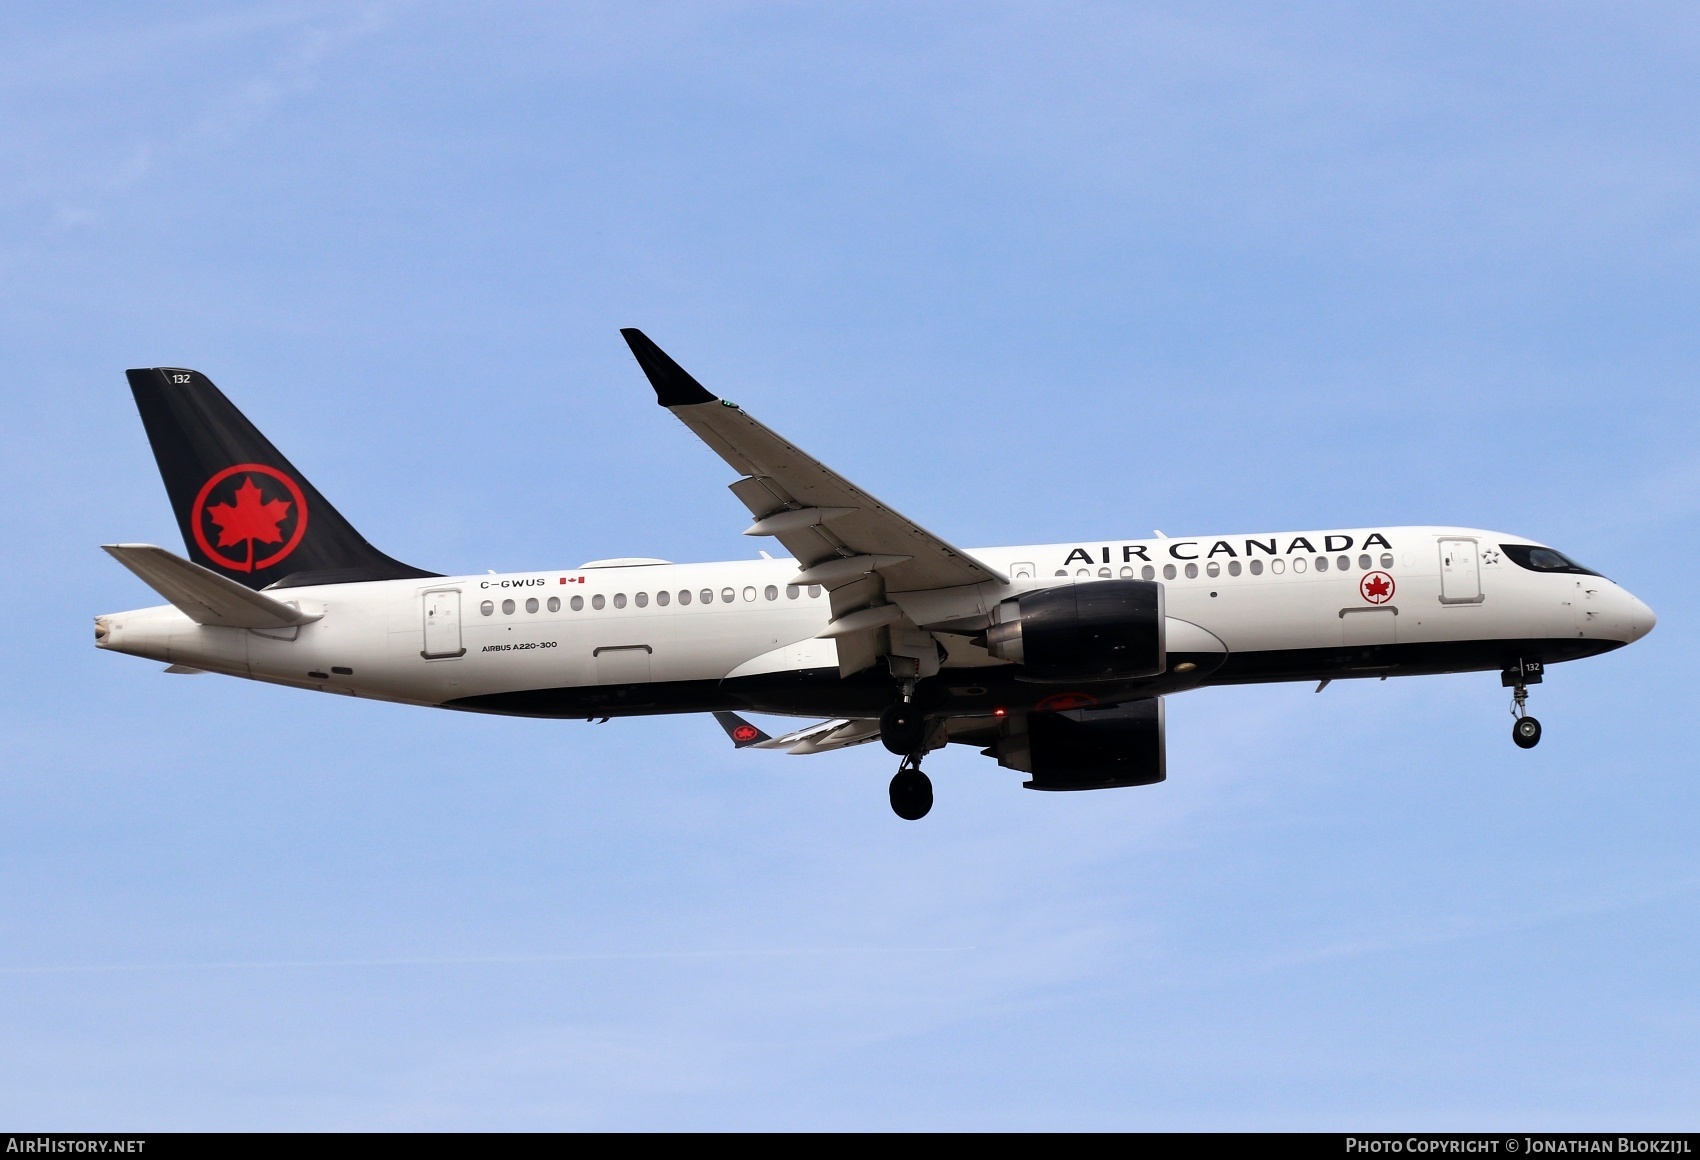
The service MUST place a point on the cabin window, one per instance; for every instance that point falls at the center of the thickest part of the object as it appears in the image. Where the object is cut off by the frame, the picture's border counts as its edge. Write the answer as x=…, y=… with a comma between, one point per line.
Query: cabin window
x=1103, y=573
x=619, y=600
x=1279, y=566
x=598, y=601
x=749, y=593
x=663, y=599
x=771, y=592
x=728, y=595
x=532, y=605
x=1387, y=559
x=642, y=599
x=1062, y=571
x=487, y=607
x=1257, y=567
x=1299, y=564
x=1148, y=572
x=814, y=591
x=1365, y=562
x=707, y=595
x=578, y=604
x=1192, y=571
x=1213, y=569
x=1079, y=572
x=1233, y=567
x=554, y=604
x=1322, y=563
x=684, y=596
x=1127, y=573
x=792, y=592
x=1344, y=563
x=1168, y=571
x=507, y=608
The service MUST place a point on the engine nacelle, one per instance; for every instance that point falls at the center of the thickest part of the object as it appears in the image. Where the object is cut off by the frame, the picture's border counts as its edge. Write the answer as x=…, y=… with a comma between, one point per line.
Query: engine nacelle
x=1100, y=630
x=1088, y=748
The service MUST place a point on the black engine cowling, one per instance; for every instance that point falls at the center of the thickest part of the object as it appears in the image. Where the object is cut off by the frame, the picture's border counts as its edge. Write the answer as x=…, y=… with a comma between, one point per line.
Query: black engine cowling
x=1088, y=748
x=1102, y=630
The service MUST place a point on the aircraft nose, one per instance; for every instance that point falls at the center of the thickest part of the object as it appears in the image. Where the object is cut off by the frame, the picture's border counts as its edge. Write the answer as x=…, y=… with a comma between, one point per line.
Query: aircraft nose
x=1639, y=618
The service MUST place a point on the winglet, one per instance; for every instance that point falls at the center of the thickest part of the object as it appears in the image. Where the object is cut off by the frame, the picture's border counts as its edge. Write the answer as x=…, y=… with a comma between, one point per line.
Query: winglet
x=674, y=387
x=742, y=733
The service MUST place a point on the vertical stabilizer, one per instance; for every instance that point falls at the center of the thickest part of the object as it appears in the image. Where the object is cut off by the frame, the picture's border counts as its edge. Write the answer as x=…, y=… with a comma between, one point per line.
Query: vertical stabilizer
x=246, y=513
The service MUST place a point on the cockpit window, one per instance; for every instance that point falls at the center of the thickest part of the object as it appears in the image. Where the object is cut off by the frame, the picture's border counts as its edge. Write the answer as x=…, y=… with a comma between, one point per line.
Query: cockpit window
x=1544, y=560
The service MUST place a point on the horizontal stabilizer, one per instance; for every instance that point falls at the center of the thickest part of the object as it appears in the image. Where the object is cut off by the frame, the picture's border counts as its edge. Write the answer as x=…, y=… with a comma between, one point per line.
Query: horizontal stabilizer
x=742, y=733
x=203, y=595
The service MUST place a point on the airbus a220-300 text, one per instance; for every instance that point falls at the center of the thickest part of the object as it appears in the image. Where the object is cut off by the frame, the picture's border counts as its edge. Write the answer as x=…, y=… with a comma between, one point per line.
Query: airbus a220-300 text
x=1053, y=659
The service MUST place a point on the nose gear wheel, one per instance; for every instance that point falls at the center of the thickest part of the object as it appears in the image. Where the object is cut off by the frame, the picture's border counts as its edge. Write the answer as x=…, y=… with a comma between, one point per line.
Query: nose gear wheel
x=1525, y=730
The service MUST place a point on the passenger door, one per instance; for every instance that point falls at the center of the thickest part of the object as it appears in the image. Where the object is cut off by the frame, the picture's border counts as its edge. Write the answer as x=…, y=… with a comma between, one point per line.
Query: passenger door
x=1460, y=572
x=442, y=625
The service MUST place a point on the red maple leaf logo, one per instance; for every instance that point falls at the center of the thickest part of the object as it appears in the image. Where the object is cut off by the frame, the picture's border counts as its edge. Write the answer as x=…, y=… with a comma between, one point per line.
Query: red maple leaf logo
x=1377, y=587
x=249, y=519
x=744, y=733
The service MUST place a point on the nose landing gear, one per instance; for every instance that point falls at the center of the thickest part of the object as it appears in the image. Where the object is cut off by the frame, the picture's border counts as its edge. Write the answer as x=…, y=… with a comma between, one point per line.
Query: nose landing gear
x=1525, y=730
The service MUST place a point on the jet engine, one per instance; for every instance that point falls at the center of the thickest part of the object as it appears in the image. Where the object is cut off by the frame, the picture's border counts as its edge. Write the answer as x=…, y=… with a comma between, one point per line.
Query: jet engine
x=1102, y=630
x=1087, y=748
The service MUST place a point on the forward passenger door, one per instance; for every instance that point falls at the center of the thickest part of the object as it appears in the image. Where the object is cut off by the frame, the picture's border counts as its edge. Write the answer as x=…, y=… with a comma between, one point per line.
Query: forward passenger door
x=1460, y=572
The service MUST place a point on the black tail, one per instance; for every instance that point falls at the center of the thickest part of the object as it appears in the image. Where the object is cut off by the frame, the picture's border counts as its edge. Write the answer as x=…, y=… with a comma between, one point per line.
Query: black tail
x=245, y=511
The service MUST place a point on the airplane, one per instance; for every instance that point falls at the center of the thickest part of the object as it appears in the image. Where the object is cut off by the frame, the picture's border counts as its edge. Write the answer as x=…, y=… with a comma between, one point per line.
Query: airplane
x=1053, y=659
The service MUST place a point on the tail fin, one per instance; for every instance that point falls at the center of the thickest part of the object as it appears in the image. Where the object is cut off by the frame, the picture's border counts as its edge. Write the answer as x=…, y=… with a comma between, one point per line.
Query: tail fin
x=246, y=512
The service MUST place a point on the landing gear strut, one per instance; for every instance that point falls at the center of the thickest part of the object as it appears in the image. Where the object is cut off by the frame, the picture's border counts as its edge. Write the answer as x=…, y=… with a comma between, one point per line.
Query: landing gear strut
x=1525, y=730
x=903, y=730
x=911, y=791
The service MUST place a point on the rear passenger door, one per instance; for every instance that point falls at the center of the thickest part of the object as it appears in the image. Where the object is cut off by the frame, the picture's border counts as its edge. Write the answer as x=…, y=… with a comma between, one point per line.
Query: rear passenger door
x=442, y=625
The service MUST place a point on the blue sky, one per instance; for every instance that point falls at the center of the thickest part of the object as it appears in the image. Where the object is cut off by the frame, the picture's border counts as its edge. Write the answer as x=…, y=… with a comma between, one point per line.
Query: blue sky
x=1029, y=273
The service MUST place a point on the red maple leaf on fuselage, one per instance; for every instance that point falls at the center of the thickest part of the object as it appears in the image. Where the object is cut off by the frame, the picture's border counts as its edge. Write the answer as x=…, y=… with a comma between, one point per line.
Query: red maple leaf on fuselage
x=249, y=519
x=1375, y=586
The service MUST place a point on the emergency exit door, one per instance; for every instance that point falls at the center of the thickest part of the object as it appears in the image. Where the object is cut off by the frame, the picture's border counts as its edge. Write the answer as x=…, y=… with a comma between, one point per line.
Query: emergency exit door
x=442, y=626
x=1460, y=572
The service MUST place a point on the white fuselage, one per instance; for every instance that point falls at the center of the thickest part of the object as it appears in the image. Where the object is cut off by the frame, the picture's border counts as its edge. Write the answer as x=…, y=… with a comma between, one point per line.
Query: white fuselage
x=445, y=640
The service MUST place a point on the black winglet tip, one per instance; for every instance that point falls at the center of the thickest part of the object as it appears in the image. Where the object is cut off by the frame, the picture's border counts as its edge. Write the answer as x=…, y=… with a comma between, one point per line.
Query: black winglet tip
x=741, y=732
x=674, y=387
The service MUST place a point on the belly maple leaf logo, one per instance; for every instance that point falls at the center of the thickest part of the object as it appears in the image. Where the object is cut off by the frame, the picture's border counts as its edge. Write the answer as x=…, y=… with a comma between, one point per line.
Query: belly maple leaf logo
x=1376, y=587
x=246, y=516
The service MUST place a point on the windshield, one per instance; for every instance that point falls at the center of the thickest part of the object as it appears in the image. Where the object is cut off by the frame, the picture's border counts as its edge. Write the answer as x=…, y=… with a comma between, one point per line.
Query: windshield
x=1544, y=560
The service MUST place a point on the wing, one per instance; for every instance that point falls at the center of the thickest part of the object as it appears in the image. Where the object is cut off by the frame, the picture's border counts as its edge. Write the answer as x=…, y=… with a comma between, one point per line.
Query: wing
x=843, y=538
x=820, y=738
x=741, y=732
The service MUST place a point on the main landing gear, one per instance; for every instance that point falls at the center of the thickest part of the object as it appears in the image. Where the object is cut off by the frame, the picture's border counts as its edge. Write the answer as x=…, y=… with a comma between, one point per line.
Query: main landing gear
x=911, y=791
x=1525, y=730
x=903, y=729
